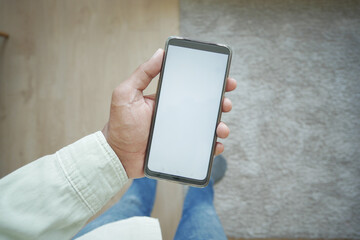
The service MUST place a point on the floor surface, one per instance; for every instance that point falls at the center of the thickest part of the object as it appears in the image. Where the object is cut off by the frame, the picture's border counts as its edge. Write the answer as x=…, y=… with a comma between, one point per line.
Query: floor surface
x=58, y=69
x=293, y=151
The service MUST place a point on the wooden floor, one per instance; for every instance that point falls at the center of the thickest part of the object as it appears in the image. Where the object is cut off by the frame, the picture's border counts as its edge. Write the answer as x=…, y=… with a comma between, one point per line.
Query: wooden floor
x=59, y=67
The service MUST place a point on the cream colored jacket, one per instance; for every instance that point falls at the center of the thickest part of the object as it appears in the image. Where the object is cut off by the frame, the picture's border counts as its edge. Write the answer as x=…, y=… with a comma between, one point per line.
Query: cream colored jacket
x=54, y=196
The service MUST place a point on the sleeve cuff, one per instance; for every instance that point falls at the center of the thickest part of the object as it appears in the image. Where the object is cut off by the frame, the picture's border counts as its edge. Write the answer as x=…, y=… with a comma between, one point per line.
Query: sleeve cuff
x=93, y=170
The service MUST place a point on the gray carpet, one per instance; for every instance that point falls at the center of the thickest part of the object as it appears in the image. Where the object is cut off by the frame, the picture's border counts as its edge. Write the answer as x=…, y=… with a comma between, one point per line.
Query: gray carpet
x=294, y=148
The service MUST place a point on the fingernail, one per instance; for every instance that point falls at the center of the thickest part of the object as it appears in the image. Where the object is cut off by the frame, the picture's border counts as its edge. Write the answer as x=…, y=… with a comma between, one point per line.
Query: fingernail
x=157, y=53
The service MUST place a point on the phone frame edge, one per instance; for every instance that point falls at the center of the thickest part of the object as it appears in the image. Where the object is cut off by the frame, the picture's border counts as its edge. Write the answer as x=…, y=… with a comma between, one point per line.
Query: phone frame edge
x=168, y=177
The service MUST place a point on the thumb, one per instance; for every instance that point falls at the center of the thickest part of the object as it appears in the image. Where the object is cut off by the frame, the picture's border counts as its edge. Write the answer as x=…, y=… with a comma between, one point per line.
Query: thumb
x=142, y=76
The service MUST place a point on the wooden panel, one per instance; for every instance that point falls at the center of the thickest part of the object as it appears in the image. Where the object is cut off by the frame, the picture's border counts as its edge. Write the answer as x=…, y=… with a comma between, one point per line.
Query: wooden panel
x=59, y=67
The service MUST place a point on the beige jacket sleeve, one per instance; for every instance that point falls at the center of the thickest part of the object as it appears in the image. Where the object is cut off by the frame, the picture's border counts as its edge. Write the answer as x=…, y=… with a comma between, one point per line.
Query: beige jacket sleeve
x=54, y=196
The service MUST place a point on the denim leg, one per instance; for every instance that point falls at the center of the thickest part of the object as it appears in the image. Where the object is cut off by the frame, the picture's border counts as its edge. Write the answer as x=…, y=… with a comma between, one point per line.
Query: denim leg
x=199, y=219
x=137, y=201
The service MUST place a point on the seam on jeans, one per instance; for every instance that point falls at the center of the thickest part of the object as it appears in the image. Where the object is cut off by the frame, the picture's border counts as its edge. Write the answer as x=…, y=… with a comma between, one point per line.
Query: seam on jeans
x=68, y=178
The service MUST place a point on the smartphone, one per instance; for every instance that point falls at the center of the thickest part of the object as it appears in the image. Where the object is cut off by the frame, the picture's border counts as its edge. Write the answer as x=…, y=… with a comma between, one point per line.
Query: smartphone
x=188, y=108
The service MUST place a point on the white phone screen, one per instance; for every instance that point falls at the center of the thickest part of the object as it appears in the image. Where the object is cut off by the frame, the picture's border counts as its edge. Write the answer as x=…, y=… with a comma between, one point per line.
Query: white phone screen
x=187, y=112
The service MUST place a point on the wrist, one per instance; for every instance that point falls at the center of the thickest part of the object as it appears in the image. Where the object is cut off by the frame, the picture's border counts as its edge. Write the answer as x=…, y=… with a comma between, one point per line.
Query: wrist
x=105, y=132
x=106, y=135
x=132, y=161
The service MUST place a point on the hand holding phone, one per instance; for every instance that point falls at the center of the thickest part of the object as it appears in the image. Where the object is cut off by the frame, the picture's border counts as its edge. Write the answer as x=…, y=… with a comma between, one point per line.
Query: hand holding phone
x=127, y=129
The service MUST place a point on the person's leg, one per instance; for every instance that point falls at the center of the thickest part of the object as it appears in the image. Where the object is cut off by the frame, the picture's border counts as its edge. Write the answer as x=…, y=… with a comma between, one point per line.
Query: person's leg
x=199, y=219
x=137, y=201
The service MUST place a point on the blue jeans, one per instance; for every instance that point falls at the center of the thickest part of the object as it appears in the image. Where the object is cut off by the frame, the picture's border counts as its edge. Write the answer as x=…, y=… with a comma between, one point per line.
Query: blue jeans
x=199, y=219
